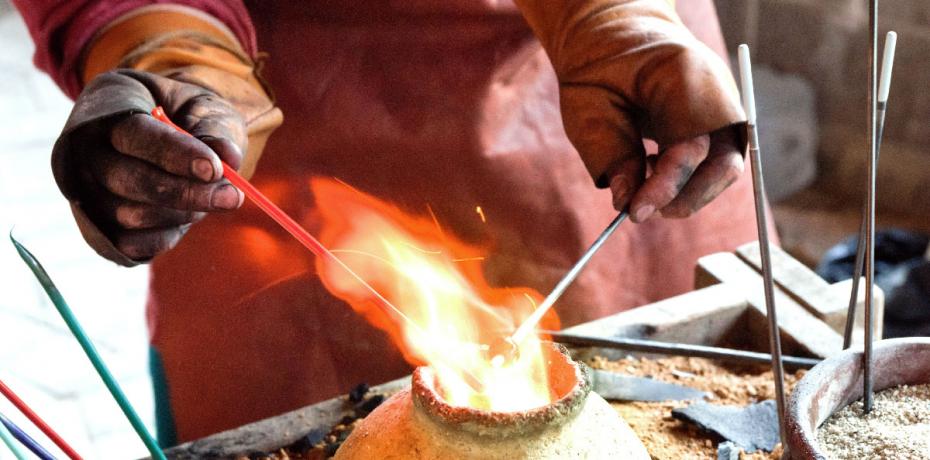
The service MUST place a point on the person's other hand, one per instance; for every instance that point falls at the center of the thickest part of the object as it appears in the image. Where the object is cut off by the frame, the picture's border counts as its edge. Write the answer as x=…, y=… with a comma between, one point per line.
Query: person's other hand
x=681, y=179
x=629, y=70
x=140, y=181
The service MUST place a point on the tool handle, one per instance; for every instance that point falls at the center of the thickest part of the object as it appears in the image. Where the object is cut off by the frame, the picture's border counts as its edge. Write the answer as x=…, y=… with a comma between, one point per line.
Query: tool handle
x=745, y=75
x=884, y=82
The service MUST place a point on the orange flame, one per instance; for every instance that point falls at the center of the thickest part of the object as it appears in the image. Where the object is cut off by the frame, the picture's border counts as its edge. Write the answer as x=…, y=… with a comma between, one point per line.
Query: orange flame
x=437, y=282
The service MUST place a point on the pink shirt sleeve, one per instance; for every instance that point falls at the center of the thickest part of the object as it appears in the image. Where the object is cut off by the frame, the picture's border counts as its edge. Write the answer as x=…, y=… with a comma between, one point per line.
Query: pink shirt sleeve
x=62, y=28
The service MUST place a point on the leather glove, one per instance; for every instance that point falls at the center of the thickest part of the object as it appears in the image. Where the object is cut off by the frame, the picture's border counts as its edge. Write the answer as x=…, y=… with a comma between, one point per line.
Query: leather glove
x=629, y=70
x=135, y=184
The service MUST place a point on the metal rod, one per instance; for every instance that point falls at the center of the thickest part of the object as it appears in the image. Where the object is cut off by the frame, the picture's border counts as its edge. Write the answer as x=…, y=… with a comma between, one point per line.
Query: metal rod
x=679, y=349
x=870, y=203
x=530, y=323
x=758, y=186
x=884, y=86
x=860, y=260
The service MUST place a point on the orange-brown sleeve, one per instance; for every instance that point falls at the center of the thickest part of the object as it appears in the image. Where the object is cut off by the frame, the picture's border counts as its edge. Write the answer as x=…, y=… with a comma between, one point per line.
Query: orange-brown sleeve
x=189, y=46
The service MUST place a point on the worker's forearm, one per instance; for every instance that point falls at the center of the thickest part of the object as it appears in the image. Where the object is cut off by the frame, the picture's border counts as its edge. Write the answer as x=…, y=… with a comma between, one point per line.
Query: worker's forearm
x=196, y=68
x=63, y=29
x=566, y=26
x=133, y=33
x=194, y=48
x=629, y=69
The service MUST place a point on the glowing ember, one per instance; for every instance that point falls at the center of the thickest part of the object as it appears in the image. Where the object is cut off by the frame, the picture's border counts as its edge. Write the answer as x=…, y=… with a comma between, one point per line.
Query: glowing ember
x=438, y=283
x=481, y=214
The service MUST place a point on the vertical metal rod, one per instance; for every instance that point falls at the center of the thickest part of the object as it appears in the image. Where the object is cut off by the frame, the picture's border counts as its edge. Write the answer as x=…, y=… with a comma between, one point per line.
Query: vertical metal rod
x=884, y=86
x=860, y=251
x=870, y=202
x=758, y=187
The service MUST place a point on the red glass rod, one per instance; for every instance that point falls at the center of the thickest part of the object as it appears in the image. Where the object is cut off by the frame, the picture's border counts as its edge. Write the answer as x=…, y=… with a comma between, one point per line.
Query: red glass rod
x=292, y=226
x=314, y=245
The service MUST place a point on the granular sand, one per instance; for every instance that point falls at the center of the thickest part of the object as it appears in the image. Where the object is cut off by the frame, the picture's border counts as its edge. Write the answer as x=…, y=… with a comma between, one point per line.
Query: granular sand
x=898, y=427
x=667, y=438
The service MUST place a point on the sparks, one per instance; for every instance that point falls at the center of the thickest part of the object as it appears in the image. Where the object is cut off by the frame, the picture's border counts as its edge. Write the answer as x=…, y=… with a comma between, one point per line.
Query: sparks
x=469, y=259
x=532, y=301
x=432, y=215
x=481, y=214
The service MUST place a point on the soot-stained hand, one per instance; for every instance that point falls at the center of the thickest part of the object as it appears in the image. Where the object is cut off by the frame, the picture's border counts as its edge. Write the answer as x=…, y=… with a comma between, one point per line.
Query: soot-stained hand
x=681, y=179
x=630, y=70
x=140, y=181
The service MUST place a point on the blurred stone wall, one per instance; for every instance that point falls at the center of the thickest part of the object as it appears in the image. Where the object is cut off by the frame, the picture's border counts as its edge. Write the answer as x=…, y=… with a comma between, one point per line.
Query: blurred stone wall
x=825, y=42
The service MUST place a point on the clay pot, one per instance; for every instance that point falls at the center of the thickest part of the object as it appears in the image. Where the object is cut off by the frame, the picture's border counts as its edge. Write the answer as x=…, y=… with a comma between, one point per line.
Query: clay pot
x=417, y=424
x=836, y=382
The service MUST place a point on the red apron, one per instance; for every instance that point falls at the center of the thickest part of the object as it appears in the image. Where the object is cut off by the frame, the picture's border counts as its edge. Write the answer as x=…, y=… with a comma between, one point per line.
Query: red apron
x=446, y=104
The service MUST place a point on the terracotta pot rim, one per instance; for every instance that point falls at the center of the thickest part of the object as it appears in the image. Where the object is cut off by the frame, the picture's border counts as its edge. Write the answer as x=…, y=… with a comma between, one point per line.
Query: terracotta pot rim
x=836, y=382
x=503, y=424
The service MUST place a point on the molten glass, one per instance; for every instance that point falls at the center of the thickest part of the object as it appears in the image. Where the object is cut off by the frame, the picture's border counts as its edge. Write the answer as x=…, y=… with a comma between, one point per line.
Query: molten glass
x=437, y=282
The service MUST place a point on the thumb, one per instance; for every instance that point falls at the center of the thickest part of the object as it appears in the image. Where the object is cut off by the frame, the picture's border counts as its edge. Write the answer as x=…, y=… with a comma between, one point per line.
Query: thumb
x=607, y=139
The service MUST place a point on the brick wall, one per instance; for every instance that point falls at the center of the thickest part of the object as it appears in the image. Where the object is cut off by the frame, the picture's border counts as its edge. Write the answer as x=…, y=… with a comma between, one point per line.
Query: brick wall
x=826, y=43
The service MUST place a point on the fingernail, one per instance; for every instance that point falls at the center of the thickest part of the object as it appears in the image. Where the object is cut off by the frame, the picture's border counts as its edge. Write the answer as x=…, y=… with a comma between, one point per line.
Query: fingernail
x=228, y=150
x=226, y=197
x=203, y=169
x=618, y=184
x=620, y=203
x=620, y=190
x=644, y=212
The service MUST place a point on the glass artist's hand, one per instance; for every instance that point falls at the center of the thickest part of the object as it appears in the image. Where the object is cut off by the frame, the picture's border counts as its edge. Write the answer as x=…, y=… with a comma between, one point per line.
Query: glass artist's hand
x=138, y=180
x=629, y=70
x=682, y=178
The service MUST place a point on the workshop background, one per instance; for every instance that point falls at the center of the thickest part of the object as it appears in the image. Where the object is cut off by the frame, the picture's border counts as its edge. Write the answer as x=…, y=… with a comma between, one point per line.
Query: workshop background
x=811, y=80
x=810, y=58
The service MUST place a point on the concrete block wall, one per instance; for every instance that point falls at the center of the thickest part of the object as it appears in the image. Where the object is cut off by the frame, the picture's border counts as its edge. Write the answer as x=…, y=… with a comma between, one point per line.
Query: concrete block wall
x=826, y=43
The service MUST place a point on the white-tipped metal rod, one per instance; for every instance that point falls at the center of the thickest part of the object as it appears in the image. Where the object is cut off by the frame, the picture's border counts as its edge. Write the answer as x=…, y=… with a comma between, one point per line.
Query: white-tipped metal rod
x=884, y=86
x=758, y=187
x=533, y=320
x=869, y=263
